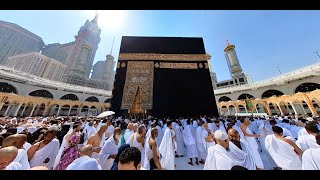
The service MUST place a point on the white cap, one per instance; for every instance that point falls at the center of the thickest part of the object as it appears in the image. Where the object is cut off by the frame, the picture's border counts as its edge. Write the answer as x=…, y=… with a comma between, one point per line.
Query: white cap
x=54, y=127
x=309, y=118
x=219, y=134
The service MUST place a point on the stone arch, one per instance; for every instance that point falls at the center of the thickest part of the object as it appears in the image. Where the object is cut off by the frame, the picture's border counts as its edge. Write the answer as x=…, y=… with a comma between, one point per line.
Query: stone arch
x=53, y=109
x=242, y=109
x=64, y=110
x=20, y=111
x=84, y=110
x=224, y=99
x=39, y=110
x=306, y=109
x=245, y=96
x=71, y=97
x=74, y=110
x=316, y=106
x=232, y=110
x=92, y=99
x=108, y=100
x=271, y=92
x=224, y=111
x=28, y=109
x=4, y=108
x=261, y=108
x=274, y=109
x=286, y=108
x=8, y=88
x=41, y=93
x=307, y=87
x=93, y=111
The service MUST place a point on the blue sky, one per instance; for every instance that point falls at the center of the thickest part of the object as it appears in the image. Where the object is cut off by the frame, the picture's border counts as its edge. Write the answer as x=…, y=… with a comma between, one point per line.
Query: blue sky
x=263, y=39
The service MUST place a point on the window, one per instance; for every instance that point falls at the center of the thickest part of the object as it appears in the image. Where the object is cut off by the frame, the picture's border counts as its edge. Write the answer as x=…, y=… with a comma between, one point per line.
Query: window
x=241, y=79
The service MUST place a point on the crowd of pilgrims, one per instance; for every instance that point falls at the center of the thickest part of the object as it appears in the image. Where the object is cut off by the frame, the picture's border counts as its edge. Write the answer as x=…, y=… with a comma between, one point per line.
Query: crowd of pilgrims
x=223, y=143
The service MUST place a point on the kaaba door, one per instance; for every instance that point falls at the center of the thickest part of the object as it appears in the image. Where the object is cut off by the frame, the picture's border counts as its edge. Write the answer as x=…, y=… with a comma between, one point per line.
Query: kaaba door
x=136, y=107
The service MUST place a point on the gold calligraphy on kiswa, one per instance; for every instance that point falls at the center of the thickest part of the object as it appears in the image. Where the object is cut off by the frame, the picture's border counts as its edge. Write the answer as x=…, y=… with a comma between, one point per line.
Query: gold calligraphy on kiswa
x=179, y=65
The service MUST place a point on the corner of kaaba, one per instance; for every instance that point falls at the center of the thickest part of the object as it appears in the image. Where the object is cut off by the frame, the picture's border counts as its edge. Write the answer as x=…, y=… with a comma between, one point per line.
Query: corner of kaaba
x=163, y=77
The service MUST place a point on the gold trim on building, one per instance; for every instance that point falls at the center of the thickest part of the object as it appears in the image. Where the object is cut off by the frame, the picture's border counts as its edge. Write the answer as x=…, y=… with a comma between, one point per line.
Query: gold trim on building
x=164, y=57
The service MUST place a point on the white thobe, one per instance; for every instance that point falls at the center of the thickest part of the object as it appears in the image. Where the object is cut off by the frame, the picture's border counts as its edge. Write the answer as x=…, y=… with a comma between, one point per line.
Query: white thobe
x=179, y=140
x=282, y=153
x=160, y=135
x=90, y=130
x=22, y=158
x=200, y=146
x=49, y=151
x=305, y=142
x=189, y=138
x=84, y=163
x=14, y=166
x=243, y=156
x=218, y=159
x=166, y=150
x=311, y=159
x=110, y=147
x=26, y=146
x=254, y=148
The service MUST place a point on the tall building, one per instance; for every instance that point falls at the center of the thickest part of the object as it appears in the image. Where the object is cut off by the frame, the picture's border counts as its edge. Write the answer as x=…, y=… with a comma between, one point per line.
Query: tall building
x=37, y=64
x=16, y=40
x=238, y=77
x=98, y=70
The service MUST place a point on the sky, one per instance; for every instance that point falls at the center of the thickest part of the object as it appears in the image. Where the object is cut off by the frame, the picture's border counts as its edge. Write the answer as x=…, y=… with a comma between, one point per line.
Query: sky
x=264, y=40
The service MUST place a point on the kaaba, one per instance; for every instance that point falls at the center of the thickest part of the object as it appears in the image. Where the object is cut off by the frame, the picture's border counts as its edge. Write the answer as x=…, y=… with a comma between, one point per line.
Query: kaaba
x=163, y=77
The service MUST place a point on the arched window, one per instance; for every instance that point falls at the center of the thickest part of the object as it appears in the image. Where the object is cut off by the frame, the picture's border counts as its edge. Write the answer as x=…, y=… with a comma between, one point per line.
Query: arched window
x=7, y=88
x=271, y=92
x=41, y=93
x=306, y=87
x=92, y=99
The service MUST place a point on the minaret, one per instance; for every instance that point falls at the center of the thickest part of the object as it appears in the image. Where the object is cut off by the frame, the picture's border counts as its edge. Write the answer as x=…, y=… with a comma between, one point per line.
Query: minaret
x=235, y=69
x=232, y=59
x=109, y=65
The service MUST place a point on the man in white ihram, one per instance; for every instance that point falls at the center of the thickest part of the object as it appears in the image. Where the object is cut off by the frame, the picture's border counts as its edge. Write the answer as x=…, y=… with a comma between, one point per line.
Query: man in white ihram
x=240, y=151
x=109, y=150
x=189, y=138
x=219, y=157
x=283, y=151
x=167, y=148
x=85, y=162
x=250, y=138
x=311, y=158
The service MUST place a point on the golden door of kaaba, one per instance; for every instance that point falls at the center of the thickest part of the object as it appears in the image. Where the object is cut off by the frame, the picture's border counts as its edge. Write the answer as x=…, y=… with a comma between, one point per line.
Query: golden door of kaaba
x=137, y=92
x=163, y=76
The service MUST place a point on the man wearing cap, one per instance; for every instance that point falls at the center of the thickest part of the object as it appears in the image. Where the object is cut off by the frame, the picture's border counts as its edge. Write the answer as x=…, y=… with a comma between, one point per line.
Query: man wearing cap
x=219, y=157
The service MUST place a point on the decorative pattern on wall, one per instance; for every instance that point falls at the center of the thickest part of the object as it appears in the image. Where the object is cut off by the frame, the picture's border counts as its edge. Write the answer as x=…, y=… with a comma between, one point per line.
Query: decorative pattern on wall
x=139, y=74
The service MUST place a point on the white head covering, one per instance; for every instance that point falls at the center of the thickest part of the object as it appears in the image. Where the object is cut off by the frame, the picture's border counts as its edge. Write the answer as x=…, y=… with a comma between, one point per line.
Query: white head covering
x=309, y=118
x=221, y=135
x=30, y=121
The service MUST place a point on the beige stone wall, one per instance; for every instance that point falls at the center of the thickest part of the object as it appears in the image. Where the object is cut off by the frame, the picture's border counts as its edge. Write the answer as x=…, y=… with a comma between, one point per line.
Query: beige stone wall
x=22, y=106
x=299, y=103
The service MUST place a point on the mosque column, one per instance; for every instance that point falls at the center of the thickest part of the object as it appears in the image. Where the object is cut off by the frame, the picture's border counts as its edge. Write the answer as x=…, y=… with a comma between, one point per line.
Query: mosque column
x=58, y=112
x=228, y=108
x=88, y=111
x=46, y=111
x=311, y=107
x=294, y=109
x=5, y=113
x=281, y=112
x=30, y=115
x=255, y=107
x=37, y=110
x=69, y=111
x=245, y=108
x=236, y=108
x=304, y=111
x=79, y=110
x=24, y=108
x=268, y=110
x=17, y=110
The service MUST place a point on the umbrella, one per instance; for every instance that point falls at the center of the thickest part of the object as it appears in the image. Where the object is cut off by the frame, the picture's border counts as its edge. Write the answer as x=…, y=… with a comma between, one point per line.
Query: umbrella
x=105, y=114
